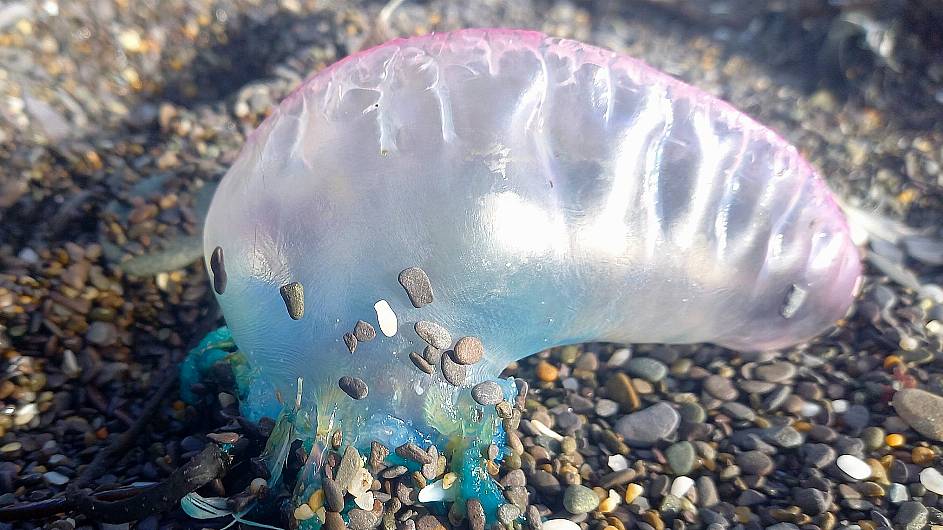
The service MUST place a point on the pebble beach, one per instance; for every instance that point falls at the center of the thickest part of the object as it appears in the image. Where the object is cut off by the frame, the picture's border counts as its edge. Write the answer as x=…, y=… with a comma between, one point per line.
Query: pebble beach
x=118, y=118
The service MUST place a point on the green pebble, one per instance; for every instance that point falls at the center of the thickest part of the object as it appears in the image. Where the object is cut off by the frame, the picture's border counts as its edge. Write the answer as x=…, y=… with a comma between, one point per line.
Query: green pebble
x=580, y=499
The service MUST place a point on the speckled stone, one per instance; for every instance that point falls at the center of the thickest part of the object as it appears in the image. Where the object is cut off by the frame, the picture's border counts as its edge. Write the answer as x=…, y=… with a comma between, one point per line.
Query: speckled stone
x=922, y=410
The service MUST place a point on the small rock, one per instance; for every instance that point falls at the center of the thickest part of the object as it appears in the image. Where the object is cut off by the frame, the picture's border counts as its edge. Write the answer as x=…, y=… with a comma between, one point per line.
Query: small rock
x=55, y=478
x=681, y=457
x=420, y=362
x=645, y=427
x=453, y=372
x=102, y=333
x=353, y=386
x=911, y=515
x=932, y=480
x=680, y=486
x=487, y=393
x=350, y=341
x=411, y=451
x=364, y=331
x=293, y=294
x=579, y=499
x=755, y=463
x=651, y=370
x=476, y=514
x=720, y=387
x=775, y=372
x=811, y=500
x=854, y=467
x=468, y=350
x=433, y=334
x=417, y=285
x=922, y=410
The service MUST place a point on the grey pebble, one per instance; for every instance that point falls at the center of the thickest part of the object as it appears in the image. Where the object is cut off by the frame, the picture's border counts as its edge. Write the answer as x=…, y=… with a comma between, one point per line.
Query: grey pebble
x=578, y=499
x=532, y=515
x=720, y=387
x=421, y=362
x=922, y=410
x=219, y=270
x=817, y=455
x=294, y=296
x=432, y=355
x=811, y=500
x=508, y=513
x=364, y=331
x=651, y=370
x=334, y=521
x=360, y=519
x=897, y=493
x=453, y=372
x=606, y=407
x=912, y=515
x=468, y=350
x=786, y=436
x=417, y=285
x=411, y=451
x=353, y=386
x=775, y=372
x=707, y=495
x=348, y=468
x=350, y=341
x=755, y=463
x=647, y=426
x=394, y=471
x=738, y=411
x=434, y=334
x=487, y=393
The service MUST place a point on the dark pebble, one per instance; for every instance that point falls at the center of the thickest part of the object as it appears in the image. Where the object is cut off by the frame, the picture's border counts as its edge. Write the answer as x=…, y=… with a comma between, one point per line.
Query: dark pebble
x=350, y=341
x=353, y=386
x=817, y=455
x=453, y=372
x=294, y=296
x=476, y=514
x=333, y=495
x=755, y=463
x=334, y=521
x=364, y=331
x=468, y=350
x=417, y=285
x=219, y=270
x=421, y=363
x=411, y=451
x=362, y=519
x=812, y=501
x=912, y=515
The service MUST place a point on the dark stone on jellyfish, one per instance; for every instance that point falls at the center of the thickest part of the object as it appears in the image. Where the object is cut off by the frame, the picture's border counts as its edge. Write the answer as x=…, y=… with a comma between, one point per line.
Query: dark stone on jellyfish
x=411, y=451
x=294, y=296
x=432, y=355
x=468, y=350
x=487, y=393
x=476, y=514
x=453, y=372
x=353, y=386
x=219, y=270
x=364, y=331
x=418, y=288
x=795, y=296
x=421, y=363
x=434, y=334
x=350, y=341
x=333, y=495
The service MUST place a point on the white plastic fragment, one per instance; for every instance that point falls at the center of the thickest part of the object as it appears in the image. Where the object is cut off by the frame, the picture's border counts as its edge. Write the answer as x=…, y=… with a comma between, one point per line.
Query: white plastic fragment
x=855, y=467
x=365, y=501
x=386, y=318
x=435, y=492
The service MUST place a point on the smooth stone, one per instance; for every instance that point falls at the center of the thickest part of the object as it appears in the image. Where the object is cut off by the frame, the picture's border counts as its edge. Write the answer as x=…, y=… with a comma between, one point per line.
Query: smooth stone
x=854, y=467
x=932, y=480
x=55, y=478
x=738, y=411
x=364, y=331
x=487, y=393
x=353, y=387
x=786, y=436
x=293, y=294
x=680, y=486
x=453, y=372
x=817, y=455
x=468, y=350
x=646, y=427
x=755, y=463
x=775, y=372
x=692, y=413
x=681, y=457
x=606, y=407
x=433, y=334
x=811, y=500
x=912, y=515
x=856, y=418
x=579, y=499
x=921, y=410
x=720, y=387
x=647, y=368
x=707, y=494
x=897, y=493
x=417, y=285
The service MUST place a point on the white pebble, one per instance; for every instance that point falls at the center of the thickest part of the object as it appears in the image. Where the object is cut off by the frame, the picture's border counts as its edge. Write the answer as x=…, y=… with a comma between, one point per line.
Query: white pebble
x=855, y=467
x=810, y=409
x=25, y=414
x=681, y=486
x=618, y=463
x=54, y=477
x=619, y=357
x=932, y=480
x=546, y=431
x=560, y=524
x=386, y=318
x=840, y=406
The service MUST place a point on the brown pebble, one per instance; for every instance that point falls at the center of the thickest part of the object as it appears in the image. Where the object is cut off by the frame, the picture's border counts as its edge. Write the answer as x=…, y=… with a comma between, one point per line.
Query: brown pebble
x=468, y=350
x=219, y=270
x=334, y=521
x=378, y=453
x=476, y=514
x=453, y=372
x=364, y=331
x=394, y=471
x=421, y=363
x=418, y=288
x=411, y=451
x=353, y=386
x=350, y=341
x=487, y=393
x=294, y=296
x=223, y=437
x=333, y=495
x=432, y=355
x=533, y=518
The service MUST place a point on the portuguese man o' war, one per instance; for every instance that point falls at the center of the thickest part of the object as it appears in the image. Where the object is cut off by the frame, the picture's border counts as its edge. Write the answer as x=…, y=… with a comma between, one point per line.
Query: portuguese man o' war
x=419, y=215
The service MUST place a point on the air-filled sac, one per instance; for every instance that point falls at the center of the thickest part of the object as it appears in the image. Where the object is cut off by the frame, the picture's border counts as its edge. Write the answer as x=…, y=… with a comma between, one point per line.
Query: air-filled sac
x=553, y=192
